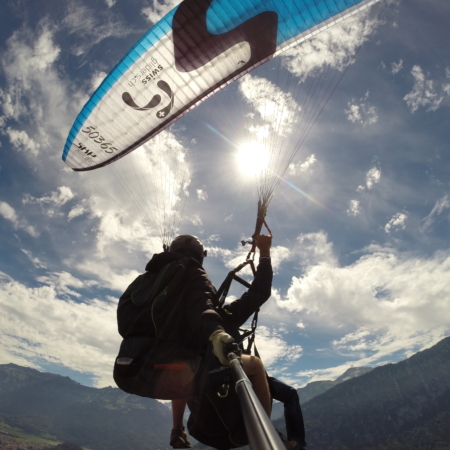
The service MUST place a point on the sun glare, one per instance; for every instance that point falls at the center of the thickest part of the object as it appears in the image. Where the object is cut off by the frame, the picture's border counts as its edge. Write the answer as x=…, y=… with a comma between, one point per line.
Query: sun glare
x=253, y=158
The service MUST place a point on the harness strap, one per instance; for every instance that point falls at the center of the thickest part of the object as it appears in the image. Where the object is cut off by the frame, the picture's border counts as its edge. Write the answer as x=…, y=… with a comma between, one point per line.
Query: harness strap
x=225, y=286
x=250, y=260
x=222, y=295
x=250, y=334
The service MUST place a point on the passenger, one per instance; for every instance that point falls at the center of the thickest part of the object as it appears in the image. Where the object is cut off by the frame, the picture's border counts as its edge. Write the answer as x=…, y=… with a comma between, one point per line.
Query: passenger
x=159, y=356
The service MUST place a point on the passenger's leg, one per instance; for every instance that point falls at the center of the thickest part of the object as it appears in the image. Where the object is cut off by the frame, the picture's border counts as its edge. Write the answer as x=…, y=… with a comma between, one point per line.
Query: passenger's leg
x=175, y=380
x=178, y=377
x=178, y=437
x=295, y=428
x=254, y=369
x=178, y=407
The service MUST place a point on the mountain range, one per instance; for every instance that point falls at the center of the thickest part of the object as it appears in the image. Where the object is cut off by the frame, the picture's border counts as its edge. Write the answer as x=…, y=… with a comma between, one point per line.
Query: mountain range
x=316, y=388
x=53, y=406
x=403, y=406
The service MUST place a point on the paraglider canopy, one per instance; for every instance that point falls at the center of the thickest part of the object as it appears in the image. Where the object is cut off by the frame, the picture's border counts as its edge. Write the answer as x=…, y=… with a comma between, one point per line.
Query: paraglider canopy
x=198, y=48
x=195, y=50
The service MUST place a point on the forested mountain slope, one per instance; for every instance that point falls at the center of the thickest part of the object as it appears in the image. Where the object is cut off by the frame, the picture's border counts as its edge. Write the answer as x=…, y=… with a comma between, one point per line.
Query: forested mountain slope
x=45, y=404
x=396, y=406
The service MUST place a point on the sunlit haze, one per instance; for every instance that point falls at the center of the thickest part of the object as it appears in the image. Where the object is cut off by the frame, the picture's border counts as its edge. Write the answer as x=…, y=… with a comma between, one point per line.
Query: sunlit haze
x=253, y=158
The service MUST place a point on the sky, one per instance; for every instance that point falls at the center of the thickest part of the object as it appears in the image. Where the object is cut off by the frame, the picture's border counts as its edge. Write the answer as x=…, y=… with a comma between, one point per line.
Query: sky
x=360, y=218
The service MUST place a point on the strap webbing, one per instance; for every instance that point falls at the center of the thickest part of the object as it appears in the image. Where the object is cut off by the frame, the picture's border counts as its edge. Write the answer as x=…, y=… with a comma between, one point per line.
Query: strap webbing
x=222, y=295
x=225, y=286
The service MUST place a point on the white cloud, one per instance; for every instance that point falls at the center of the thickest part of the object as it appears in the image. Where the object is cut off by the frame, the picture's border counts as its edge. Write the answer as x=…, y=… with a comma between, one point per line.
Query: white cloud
x=202, y=194
x=126, y=208
x=114, y=227
x=36, y=103
x=61, y=283
x=385, y=302
x=141, y=197
x=330, y=373
x=52, y=202
x=97, y=79
x=396, y=67
x=92, y=26
x=275, y=107
x=353, y=208
x=335, y=47
x=5, y=277
x=424, y=93
x=373, y=177
x=159, y=9
x=309, y=376
x=22, y=142
x=363, y=113
x=273, y=349
x=39, y=56
x=353, y=114
x=446, y=87
x=28, y=57
x=36, y=261
x=110, y=3
x=303, y=167
x=212, y=238
x=441, y=205
x=107, y=274
x=397, y=222
x=59, y=197
x=279, y=254
x=10, y=108
x=377, y=348
x=9, y=213
x=78, y=210
x=313, y=249
x=196, y=220
x=82, y=336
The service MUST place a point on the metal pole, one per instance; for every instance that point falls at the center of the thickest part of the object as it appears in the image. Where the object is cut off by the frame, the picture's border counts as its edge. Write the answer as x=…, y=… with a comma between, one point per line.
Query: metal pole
x=260, y=431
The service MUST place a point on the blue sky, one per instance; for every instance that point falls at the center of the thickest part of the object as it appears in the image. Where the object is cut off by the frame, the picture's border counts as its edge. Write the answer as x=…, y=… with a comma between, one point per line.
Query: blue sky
x=360, y=220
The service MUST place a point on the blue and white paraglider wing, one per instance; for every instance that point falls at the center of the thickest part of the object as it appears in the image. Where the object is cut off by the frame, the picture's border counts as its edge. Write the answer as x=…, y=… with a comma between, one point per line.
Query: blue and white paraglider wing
x=195, y=50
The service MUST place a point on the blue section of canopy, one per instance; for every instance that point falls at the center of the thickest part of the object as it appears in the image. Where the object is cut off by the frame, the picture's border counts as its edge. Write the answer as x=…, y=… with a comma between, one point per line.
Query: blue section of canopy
x=146, y=42
x=295, y=17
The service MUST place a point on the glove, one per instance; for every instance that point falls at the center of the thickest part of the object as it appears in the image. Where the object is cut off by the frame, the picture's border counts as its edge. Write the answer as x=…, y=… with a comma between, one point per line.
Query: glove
x=218, y=339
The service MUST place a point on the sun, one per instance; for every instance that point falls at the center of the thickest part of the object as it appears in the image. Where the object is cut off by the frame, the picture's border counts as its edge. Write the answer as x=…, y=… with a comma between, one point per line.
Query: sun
x=253, y=158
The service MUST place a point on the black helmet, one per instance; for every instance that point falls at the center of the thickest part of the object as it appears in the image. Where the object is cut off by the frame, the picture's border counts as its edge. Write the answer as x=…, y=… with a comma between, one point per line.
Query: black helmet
x=188, y=245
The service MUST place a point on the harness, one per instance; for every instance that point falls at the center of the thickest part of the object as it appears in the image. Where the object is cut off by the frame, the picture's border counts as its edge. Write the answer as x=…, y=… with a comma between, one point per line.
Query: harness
x=232, y=275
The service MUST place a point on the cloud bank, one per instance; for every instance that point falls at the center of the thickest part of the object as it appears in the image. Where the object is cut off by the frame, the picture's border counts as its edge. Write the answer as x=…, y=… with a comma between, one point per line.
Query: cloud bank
x=386, y=302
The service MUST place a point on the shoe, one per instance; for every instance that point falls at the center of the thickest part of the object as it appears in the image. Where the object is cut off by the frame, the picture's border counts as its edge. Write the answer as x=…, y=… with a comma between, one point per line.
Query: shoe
x=178, y=438
x=290, y=445
x=294, y=445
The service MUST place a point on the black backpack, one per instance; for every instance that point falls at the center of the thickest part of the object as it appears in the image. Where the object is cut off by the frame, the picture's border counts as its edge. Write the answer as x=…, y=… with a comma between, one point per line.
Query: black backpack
x=150, y=305
x=150, y=319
